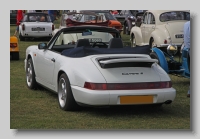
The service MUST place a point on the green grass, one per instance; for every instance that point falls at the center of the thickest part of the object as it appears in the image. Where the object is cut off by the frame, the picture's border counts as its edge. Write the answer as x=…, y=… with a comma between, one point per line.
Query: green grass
x=39, y=109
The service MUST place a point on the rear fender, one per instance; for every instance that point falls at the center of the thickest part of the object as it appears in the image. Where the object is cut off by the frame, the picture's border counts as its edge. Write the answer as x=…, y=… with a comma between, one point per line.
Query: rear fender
x=161, y=58
x=138, y=35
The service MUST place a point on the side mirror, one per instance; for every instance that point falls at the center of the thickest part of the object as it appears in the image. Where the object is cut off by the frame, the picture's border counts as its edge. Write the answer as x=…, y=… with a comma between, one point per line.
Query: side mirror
x=42, y=45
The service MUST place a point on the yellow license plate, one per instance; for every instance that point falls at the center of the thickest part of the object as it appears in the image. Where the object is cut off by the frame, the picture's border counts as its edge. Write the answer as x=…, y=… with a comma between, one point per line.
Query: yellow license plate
x=136, y=99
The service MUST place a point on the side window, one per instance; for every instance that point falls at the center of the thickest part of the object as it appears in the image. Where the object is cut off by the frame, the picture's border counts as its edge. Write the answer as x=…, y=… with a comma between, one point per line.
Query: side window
x=145, y=18
x=151, y=19
x=59, y=40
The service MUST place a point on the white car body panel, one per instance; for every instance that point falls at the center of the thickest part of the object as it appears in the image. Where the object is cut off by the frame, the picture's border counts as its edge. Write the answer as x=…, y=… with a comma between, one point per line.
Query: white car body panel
x=112, y=97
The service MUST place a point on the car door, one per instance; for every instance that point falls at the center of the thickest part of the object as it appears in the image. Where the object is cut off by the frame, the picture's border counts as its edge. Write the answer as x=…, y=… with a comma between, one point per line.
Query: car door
x=150, y=26
x=45, y=64
x=143, y=26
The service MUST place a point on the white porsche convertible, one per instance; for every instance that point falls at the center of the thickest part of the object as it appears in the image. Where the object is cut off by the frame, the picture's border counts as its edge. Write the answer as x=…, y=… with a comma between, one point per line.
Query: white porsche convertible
x=88, y=65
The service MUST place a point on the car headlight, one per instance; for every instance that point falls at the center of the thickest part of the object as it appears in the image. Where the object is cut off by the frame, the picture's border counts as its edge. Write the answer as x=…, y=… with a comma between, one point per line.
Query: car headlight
x=172, y=49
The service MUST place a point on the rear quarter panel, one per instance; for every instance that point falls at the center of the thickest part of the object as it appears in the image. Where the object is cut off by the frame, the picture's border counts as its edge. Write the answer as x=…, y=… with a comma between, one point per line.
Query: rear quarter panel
x=159, y=35
x=78, y=70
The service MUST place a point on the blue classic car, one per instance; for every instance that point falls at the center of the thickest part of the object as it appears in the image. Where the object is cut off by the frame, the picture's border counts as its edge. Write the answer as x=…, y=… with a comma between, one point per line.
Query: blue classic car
x=167, y=61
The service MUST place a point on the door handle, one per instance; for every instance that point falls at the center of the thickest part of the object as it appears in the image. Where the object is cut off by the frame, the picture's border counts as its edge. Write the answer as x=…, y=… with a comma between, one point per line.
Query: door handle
x=53, y=60
x=153, y=27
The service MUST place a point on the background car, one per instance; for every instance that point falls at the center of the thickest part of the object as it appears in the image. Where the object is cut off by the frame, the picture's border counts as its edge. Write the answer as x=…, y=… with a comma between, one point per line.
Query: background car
x=159, y=28
x=105, y=15
x=129, y=17
x=36, y=25
x=73, y=19
x=14, y=48
x=171, y=65
x=123, y=75
x=13, y=17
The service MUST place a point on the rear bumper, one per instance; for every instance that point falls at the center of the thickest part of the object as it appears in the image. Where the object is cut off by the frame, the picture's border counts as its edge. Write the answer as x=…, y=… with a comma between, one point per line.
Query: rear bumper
x=13, y=51
x=37, y=34
x=112, y=97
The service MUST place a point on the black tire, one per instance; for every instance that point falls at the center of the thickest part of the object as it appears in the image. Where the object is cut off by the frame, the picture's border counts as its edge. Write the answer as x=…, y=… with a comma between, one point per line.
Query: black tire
x=153, y=55
x=127, y=29
x=21, y=38
x=158, y=105
x=30, y=75
x=65, y=97
x=133, y=41
x=151, y=43
x=15, y=55
x=124, y=29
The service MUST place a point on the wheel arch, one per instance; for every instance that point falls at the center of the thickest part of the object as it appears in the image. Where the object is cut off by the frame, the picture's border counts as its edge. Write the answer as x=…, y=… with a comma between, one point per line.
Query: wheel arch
x=136, y=31
x=162, y=59
x=158, y=40
x=60, y=72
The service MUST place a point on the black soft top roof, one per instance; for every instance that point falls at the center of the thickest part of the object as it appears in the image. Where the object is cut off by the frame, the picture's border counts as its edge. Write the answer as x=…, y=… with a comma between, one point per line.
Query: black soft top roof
x=85, y=51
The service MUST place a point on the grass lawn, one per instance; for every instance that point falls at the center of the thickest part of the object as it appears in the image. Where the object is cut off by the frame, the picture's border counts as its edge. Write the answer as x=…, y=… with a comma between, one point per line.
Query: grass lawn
x=39, y=109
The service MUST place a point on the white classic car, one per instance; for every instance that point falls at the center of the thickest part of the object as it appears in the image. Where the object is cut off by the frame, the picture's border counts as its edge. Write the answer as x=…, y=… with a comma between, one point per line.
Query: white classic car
x=159, y=28
x=35, y=25
x=88, y=65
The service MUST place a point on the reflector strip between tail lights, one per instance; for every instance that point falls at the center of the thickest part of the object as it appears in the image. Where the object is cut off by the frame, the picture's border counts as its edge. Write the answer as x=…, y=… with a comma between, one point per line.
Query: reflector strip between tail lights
x=127, y=86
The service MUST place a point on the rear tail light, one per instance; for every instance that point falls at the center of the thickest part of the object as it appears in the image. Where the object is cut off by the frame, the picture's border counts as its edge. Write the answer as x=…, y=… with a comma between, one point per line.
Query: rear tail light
x=165, y=41
x=52, y=27
x=127, y=86
x=13, y=45
x=23, y=27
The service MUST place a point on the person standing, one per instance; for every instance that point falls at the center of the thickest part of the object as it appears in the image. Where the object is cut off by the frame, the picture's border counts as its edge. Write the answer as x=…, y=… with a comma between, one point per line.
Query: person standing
x=186, y=31
x=51, y=14
x=19, y=18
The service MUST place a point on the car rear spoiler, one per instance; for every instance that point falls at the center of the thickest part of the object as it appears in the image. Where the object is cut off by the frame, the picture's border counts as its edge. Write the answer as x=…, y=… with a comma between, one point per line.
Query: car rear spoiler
x=127, y=62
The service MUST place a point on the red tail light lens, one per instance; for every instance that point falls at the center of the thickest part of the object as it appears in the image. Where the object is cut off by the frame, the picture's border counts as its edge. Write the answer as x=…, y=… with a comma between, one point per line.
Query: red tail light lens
x=23, y=27
x=165, y=41
x=127, y=86
x=13, y=45
x=52, y=27
x=95, y=86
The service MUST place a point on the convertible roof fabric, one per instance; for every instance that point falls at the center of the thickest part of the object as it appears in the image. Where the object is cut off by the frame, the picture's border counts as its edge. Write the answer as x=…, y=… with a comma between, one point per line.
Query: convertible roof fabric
x=85, y=51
